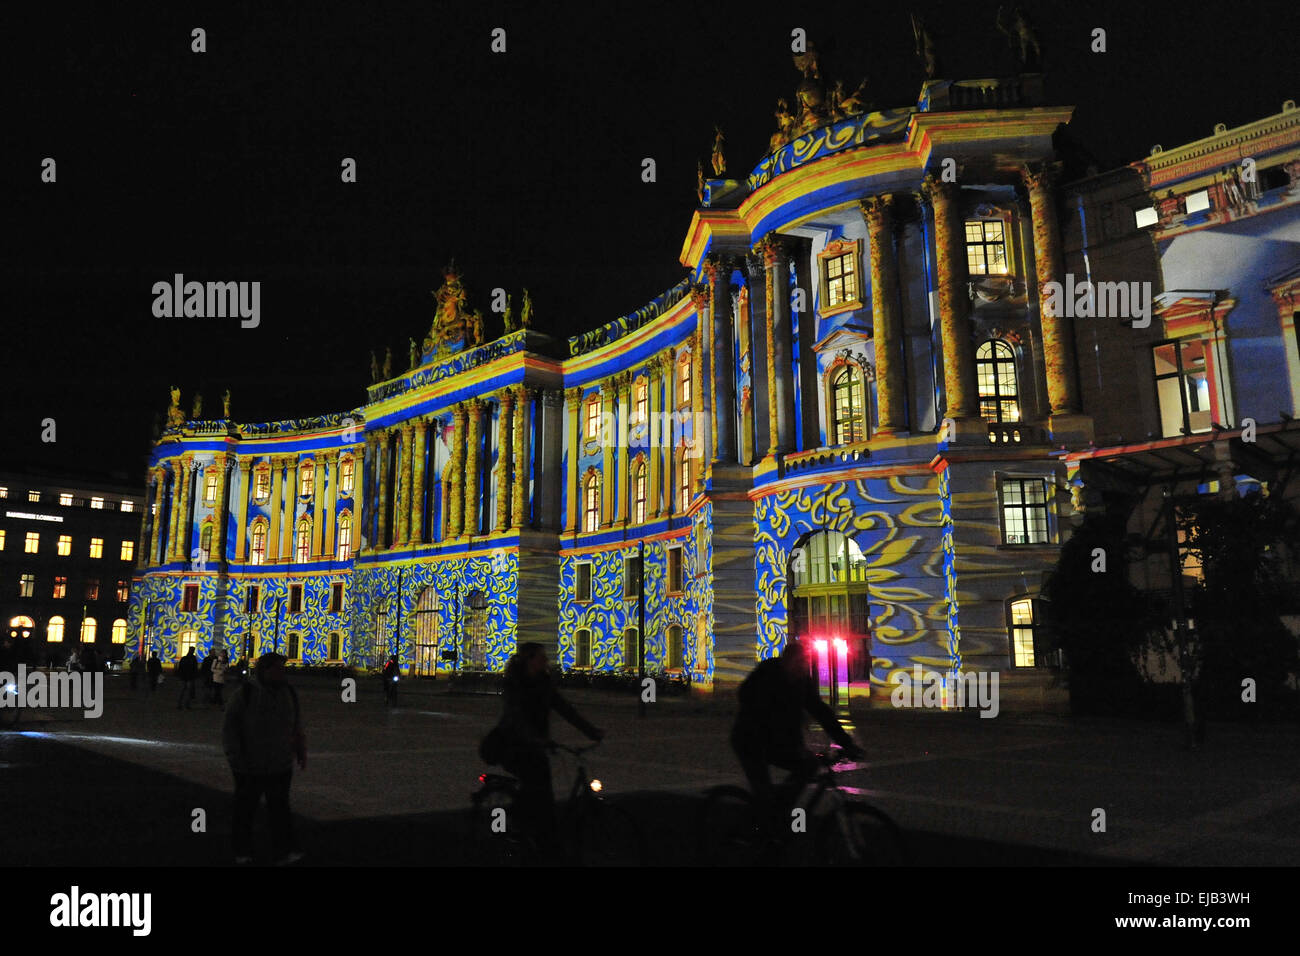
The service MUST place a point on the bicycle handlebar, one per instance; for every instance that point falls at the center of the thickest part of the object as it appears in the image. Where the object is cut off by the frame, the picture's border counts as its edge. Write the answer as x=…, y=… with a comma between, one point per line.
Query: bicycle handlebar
x=576, y=751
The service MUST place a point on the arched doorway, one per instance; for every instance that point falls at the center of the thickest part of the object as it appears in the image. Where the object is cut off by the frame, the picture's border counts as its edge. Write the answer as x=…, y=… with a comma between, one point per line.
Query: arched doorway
x=830, y=610
x=474, y=632
x=428, y=628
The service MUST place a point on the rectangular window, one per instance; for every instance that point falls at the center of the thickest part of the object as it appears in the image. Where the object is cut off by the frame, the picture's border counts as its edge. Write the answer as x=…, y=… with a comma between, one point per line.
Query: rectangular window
x=593, y=419
x=263, y=486
x=250, y=599
x=33, y=543
x=295, y=599
x=123, y=591
x=33, y=496
x=65, y=500
x=65, y=544
x=97, y=504
x=210, y=488
x=4, y=492
x=190, y=598
x=1025, y=506
x=986, y=247
x=96, y=547
x=631, y=576
x=674, y=570
x=2, y=539
x=1198, y=202
x=128, y=550
x=126, y=506
x=92, y=589
x=27, y=585
x=1146, y=217
x=60, y=586
x=1183, y=387
x=345, y=477
x=336, y=597
x=307, y=480
x=841, y=279
x=582, y=584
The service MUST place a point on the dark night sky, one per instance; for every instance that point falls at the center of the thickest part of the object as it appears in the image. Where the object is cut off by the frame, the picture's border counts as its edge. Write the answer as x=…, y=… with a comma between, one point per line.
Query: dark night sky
x=524, y=166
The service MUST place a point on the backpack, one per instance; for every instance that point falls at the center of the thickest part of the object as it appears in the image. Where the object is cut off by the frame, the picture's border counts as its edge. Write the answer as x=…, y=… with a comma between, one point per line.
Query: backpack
x=492, y=749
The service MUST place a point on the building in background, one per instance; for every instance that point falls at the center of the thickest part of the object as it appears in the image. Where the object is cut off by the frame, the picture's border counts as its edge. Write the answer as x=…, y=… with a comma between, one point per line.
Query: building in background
x=68, y=549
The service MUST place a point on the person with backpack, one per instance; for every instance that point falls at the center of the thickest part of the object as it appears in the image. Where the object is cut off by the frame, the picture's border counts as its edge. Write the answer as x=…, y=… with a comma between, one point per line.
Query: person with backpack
x=262, y=736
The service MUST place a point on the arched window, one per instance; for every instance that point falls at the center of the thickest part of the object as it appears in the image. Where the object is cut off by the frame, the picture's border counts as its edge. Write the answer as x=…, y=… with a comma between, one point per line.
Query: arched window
x=674, y=647
x=848, y=405
x=257, y=545
x=307, y=479
x=88, y=628
x=684, y=482
x=347, y=468
x=21, y=626
x=591, y=503
x=304, y=541
x=828, y=587
x=631, y=645
x=428, y=628
x=54, y=630
x=639, y=492
x=684, y=381
x=995, y=372
x=582, y=648
x=345, y=537
x=119, y=631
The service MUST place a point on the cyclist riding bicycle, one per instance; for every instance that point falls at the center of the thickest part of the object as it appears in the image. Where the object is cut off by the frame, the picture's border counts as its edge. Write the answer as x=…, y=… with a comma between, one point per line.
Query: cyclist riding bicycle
x=769, y=726
x=389, y=676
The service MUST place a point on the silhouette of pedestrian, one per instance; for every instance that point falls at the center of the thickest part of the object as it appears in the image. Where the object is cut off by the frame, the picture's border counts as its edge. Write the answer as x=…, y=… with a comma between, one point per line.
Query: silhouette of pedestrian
x=188, y=674
x=155, y=672
x=220, y=666
x=136, y=668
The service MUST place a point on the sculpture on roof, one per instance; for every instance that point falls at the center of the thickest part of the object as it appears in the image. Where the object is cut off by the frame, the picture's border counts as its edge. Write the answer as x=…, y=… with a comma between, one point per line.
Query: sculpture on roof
x=856, y=102
x=374, y=368
x=451, y=320
x=388, y=364
x=415, y=358
x=174, y=414
x=225, y=405
x=719, y=161
x=196, y=410
x=699, y=180
x=925, y=47
x=784, y=126
x=508, y=318
x=811, y=94
x=526, y=312
x=477, y=336
x=1020, y=34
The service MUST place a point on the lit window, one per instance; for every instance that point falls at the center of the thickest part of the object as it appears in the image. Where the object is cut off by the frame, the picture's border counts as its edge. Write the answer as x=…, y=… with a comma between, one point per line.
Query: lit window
x=97, y=504
x=674, y=570
x=346, y=469
x=642, y=411
x=258, y=553
x=126, y=506
x=128, y=550
x=631, y=647
x=189, y=641
x=684, y=381
x=639, y=493
x=2, y=539
x=33, y=496
x=986, y=247
x=995, y=371
x=33, y=543
x=60, y=586
x=582, y=648
x=307, y=479
x=262, y=489
x=1197, y=202
x=345, y=537
x=1022, y=626
x=684, y=483
x=88, y=627
x=591, y=507
x=65, y=544
x=1183, y=387
x=210, y=487
x=119, y=631
x=582, y=582
x=65, y=500
x=1025, y=511
x=631, y=576
x=304, y=541
x=1146, y=217
x=295, y=642
x=123, y=591
x=92, y=589
x=4, y=492
x=96, y=547
x=675, y=648
x=848, y=402
x=593, y=418
x=54, y=630
x=841, y=279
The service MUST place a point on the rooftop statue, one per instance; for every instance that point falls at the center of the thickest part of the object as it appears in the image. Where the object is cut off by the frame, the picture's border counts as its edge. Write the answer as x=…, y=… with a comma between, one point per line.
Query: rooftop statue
x=451, y=318
x=784, y=126
x=388, y=364
x=225, y=405
x=508, y=319
x=174, y=414
x=699, y=180
x=1020, y=34
x=925, y=47
x=374, y=368
x=415, y=357
x=477, y=335
x=719, y=161
x=811, y=95
x=196, y=411
x=855, y=103
x=526, y=313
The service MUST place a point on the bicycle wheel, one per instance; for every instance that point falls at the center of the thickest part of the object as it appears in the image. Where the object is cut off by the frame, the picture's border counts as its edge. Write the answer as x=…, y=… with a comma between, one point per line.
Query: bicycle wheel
x=858, y=834
x=493, y=839
x=728, y=831
x=606, y=835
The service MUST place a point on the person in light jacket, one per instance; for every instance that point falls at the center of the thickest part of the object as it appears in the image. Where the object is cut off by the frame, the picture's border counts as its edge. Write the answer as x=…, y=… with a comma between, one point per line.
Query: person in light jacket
x=220, y=666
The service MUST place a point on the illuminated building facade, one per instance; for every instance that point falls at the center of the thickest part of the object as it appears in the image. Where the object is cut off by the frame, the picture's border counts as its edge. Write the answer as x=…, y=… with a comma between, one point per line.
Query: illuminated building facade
x=867, y=417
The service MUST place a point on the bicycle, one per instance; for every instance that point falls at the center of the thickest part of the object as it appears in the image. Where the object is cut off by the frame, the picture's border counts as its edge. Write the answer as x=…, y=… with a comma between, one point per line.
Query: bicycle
x=850, y=832
x=593, y=832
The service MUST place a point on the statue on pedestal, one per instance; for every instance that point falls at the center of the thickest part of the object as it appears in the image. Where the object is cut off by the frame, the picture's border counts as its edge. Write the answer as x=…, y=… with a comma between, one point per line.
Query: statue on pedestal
x=374, y=368
x=1020, y=34
x=526, y=312
x=719, y=161
x=225, y=405
x=388, y=364
x=784, y=126
x=508, y=319
x=415, y=358
x=925, y=47
x=196, y=411
x=811, y=95
x=699, y=180
x=174, y=414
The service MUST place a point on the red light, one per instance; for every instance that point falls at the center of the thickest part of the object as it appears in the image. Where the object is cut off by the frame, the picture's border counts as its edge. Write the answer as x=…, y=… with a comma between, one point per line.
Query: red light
x=482, y=778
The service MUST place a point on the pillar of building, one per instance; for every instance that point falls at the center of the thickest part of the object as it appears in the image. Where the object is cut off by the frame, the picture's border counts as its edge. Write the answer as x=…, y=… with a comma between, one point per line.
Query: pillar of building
x=456, y=471
x=221, y=512
x=370, y=495
x=700, y=440
x=406, y=463
x=772, y=252
x=886, y=331
x=623, y=469
x=745, y=400
x=1058, y=334
x=331, y=503
x=654, y=432
x=155, y=536
x=704, y=405
x=573, y=403
x=505, y=439
x=381, y=537
x=954, y=325
x=319, y=475
x=473, y=455
x=241, y=530
x=419, y=480
x=525, y=402
x=183, y=525
x=718, y=270
x=674, y=431
x=607, y=396
x=289, y=537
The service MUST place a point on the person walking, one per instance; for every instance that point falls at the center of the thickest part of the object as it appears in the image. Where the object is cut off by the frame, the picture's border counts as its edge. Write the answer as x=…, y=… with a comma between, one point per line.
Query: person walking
x=205, y=674
x=262, y=736
x=389, y=677
x=187, y=672
x=155, y=672
x=136, y=668
x=219, y=668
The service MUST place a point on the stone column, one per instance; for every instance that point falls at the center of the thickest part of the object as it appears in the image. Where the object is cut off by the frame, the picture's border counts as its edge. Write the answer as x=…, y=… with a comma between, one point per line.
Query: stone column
x=526, y=400
x=369, y=495
x=654, y=369
x=723, y=362
x=622, y=385
x=700, y=299
x=289, y=537
x=184, y=527
x=674, y=429
x=331, y=506
x=453, y=491
x=155, y=537
x=1058, y=336
x=887, y=332
x=381, y=542
x=573, y=403
x=746, y=398
x=419, y=480
x=699, y=435
x=950, y=268
x=169, y=546
x=607, y=395
x=772, y=254
x=318, y=479
x=404, y=491
x=506, y=402
x=245, y=491
x=222, y=510
x=473, y=454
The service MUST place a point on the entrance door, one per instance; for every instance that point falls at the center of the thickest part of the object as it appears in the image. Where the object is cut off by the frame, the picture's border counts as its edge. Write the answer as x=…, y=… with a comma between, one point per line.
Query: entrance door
x=830, y=610
x=428, y=611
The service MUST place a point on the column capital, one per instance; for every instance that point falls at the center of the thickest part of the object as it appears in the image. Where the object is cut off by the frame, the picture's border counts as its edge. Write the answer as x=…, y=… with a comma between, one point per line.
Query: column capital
x=717, y=265
x=877, y=211
x=552, y=398
x=771, y=247
x=421, y=425
x=623, y=383
x=505, y=397
x=700, y=295
x=459, y=412
x=573, y=397
x=1040, y=176
x=936, y=191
